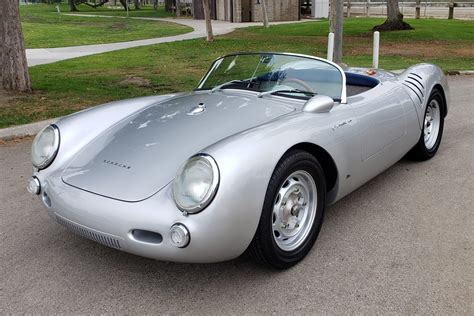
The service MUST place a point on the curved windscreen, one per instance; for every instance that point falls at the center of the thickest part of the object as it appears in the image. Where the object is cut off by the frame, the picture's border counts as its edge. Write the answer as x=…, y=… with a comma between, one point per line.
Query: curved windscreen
x=270, y=73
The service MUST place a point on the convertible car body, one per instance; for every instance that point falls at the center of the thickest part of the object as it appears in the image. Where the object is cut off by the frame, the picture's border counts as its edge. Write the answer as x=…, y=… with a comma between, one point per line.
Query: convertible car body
x=248, y=160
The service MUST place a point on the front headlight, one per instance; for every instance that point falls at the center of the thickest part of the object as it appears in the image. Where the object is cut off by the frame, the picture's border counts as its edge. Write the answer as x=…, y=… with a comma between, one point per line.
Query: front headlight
x=45, y=147
x=196, y=183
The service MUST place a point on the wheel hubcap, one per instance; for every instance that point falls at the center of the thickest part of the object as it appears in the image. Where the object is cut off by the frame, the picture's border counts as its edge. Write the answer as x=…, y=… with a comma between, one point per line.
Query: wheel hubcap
x=294, y=210
x=431, y=124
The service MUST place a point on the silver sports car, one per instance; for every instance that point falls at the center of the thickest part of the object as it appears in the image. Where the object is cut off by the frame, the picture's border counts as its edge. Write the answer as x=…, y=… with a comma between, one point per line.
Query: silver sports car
x=248, y=161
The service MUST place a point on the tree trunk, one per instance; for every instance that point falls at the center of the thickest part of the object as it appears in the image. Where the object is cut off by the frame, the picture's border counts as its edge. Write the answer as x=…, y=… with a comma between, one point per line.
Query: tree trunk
x=168, y=5
x=123, y=3
x=155, y=4
x=72, y=5
x=263, y=4
x=178, y=8
x=394, y=21
x=137, y=4
x=207, y=18
x=332, y=15
x=13, y=66
x=339, y=18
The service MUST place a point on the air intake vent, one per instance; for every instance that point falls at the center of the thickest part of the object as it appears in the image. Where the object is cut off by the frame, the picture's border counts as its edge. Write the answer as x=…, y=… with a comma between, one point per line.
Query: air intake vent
x=83, y=231
x=414, y=83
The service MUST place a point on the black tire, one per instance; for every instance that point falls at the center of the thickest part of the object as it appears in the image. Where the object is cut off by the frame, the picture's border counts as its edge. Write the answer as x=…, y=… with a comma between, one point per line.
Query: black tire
x=263, y=248
x=420, y=152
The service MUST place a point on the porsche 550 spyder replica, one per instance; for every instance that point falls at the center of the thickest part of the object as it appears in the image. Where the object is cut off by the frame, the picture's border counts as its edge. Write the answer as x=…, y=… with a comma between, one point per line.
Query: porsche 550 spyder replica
x=248, y=161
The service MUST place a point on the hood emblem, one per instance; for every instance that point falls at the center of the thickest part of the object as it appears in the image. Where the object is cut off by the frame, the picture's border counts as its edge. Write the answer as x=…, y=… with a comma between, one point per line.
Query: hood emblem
x=113, y=163
x=197, y=109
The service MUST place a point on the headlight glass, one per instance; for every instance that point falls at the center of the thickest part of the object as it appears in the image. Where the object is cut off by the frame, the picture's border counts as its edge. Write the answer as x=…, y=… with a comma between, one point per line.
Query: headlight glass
x=196, y=183
x=45, y=147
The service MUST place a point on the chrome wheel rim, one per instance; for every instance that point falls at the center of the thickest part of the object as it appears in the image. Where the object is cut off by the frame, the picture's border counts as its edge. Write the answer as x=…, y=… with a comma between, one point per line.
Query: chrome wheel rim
x=294, y=210
x=432, y=124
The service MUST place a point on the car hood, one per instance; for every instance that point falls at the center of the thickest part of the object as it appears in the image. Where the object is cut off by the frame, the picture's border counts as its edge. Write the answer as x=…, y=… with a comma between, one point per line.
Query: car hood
x=138, y=156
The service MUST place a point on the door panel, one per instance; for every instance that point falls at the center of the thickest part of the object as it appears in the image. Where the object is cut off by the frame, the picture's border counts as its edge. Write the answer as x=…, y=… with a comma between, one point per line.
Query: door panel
x=382, y=119
x=246, y=15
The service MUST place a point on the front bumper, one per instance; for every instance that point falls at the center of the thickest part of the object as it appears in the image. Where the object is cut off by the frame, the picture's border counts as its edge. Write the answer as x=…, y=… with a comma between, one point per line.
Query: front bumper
x=218, y=233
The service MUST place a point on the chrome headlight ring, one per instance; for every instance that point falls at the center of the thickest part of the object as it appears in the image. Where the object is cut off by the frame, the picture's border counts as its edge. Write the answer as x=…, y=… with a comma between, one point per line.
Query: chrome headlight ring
x=196, y=183
x=45, y=147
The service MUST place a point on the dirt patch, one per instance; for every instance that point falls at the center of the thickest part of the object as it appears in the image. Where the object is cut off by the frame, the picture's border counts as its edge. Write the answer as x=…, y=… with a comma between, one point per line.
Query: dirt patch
x=6, y=98
x=429, y=49
x=118, y=26
x=136, y=81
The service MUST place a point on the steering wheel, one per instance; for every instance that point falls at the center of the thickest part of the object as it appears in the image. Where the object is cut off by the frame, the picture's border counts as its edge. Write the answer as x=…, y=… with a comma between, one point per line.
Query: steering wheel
x=300, y=82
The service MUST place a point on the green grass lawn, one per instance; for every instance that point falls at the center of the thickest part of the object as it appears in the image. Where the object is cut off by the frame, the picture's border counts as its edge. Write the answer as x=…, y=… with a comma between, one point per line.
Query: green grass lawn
x=68, y=86
x=43, y=27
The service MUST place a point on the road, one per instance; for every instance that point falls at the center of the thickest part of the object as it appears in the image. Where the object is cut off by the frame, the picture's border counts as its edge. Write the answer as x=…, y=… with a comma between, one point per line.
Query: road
x=403, y=243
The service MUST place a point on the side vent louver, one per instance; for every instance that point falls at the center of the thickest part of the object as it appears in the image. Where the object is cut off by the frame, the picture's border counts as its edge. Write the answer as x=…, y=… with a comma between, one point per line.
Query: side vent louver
x=83, y=231
x=415, y=84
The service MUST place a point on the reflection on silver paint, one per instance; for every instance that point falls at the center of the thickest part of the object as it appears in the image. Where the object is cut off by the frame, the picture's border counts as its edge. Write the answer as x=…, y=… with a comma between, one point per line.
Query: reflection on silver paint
x=382, y=124
x=179, y=137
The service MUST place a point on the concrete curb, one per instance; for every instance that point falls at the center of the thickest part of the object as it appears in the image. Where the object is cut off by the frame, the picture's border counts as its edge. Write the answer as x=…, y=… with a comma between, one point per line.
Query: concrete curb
x=24, y=130
x=462, y=72
x=33, y=128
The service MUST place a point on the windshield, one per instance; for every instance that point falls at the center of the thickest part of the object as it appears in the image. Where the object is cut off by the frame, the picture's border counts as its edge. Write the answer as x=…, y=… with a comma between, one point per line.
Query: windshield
x=270, y=73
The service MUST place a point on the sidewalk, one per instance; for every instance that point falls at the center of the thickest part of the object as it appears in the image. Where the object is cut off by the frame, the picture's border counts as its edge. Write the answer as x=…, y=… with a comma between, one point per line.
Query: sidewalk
x=40, y=56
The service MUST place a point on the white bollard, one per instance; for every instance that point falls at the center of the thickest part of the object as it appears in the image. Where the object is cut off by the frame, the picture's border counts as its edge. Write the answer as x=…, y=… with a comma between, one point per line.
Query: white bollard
x=330, y=46
x=375, y=52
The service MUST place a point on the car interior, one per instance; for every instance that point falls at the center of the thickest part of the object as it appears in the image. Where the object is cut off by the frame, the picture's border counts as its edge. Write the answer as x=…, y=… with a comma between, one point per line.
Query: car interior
x=357, y=83
x=320, y=81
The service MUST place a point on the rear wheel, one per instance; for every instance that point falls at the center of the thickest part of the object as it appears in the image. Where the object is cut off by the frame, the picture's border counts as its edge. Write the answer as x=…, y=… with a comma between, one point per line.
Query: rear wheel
x=292, y=212
x=433, y=124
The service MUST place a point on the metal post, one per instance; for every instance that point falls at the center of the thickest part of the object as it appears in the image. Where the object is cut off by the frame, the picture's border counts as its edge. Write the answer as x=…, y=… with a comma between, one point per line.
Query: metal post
x=417, y=9
x=451, y=10
x=375, y=53
x=330, y=46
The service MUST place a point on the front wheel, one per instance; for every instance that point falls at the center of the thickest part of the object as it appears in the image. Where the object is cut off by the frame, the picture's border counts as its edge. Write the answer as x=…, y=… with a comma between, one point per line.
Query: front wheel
x=433, y=124
x=292, y=213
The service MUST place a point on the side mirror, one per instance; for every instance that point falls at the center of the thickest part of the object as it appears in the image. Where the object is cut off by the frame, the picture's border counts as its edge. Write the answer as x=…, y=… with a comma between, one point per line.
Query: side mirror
x=319, y=104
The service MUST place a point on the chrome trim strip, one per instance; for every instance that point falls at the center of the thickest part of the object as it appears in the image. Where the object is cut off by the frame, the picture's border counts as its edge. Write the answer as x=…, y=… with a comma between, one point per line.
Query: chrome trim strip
x=341, y=71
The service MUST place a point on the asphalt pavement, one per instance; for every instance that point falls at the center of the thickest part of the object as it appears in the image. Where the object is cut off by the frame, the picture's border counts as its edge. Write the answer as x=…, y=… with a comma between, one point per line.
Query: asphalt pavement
x=402, y=244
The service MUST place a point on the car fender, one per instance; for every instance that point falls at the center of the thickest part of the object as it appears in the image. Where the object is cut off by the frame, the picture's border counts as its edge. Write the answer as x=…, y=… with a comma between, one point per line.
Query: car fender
x=419, y=81
x=247, y=160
